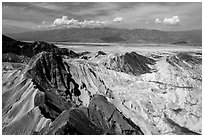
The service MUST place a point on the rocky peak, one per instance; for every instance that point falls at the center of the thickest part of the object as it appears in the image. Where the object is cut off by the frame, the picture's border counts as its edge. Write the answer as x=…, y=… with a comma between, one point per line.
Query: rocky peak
x=23, y=51
x=131, y=63
x=6, y=38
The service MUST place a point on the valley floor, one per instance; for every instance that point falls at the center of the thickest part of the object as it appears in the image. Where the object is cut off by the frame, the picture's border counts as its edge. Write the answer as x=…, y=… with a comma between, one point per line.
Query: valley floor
x=122, y=48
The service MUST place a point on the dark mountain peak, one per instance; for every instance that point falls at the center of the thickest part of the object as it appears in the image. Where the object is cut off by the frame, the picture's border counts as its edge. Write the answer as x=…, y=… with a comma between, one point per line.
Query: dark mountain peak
x=100, y=53
x=6, y=38
x=30, y=49
x=183, y=57
x=48, y=70
x=43, y=44
x=10, y=45
x=36, y=47
x=132, y=63
x=189, y=58
x=40, y=46
x=50, y=76
x=42, y=65
x=139, y=58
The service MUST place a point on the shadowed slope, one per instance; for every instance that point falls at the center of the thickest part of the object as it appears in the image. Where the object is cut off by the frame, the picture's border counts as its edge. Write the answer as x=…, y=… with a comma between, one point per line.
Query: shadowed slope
x=131, y=63
x=17, y=51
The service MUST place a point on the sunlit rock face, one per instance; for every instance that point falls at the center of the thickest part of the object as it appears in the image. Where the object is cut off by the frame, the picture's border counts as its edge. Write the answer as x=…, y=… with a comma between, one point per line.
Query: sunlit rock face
x=102, y=93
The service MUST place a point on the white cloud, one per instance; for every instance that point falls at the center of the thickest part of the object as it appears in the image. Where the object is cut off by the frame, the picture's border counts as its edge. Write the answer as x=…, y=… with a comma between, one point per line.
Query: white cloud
x=118, y=19
x=174, y=20
x=65, y=22
x=171, y=21
x=157, y=21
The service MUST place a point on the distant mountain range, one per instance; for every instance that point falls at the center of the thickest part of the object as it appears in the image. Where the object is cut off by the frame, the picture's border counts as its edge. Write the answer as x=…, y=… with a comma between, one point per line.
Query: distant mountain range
x=112, y=35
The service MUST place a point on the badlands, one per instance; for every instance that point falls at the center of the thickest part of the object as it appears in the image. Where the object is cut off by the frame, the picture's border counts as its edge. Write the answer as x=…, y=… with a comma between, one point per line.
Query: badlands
x=49, y=89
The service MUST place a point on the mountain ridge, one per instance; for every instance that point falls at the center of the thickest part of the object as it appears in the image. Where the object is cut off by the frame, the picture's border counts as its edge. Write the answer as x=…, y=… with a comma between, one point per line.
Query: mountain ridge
x=112, y=35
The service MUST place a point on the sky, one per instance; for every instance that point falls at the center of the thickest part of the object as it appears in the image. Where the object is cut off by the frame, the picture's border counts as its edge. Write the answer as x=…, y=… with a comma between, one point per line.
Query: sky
x=20, y=17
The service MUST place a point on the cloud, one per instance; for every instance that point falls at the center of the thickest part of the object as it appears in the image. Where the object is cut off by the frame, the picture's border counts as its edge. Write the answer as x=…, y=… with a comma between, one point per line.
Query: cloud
x=171, y=21
x=118, y=19
x=157, y=21
x=61, y=21
x=174, y=20
x=64, y=22
x=135, y=14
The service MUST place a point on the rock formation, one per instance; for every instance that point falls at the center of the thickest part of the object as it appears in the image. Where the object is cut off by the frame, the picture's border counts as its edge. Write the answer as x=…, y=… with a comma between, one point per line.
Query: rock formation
x=13, y=50
x=131, y=63
x=56, y=92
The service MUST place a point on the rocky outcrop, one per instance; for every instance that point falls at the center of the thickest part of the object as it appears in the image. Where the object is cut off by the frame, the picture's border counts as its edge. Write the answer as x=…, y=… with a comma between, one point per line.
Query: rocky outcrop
x=73, y=121
x=113, y=122
x=10, y=45
x=100, y=53
x=40, y=46
x=6, y=38
x=131, y=63
x=11, y=48
x=11, y=57
x=101, y=117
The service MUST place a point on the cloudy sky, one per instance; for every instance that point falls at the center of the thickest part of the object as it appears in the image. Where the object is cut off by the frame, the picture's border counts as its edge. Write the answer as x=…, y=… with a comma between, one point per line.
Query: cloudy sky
x=20, y=17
